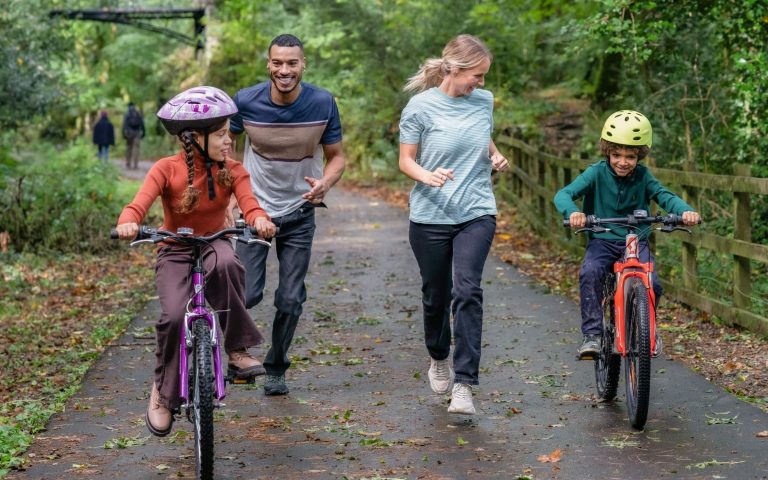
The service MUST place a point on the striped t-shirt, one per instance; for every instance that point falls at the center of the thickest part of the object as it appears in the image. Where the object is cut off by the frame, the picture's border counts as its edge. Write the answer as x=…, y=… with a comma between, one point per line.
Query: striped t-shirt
x=285, y=142
x=452, y=132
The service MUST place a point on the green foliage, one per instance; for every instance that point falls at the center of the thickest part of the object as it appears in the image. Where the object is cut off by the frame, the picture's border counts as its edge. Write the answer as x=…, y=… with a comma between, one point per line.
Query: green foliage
x=60, y=201
x=29, y=76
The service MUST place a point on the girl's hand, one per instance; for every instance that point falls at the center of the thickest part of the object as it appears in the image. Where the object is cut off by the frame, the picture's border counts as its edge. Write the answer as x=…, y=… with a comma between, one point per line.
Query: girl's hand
x=127, y=231
x=265, y=228
x=499, y=162
x=691, y=218
x=438, y=177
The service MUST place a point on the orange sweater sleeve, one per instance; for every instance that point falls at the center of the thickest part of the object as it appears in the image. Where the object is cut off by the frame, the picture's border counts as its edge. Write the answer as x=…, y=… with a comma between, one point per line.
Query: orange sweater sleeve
x=154, y=183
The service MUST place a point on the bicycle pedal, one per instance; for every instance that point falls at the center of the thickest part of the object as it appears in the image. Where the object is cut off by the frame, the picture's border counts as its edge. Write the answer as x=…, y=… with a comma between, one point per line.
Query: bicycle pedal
x=587, y=356
x=235, y=380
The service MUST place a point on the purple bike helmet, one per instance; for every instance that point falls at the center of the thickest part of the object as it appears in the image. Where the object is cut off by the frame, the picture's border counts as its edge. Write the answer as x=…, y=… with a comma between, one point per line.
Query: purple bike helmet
x=197, y=108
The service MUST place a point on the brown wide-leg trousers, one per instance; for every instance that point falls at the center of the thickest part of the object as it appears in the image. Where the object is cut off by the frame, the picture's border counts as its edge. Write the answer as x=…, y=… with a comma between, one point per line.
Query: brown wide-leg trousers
x=223, y=291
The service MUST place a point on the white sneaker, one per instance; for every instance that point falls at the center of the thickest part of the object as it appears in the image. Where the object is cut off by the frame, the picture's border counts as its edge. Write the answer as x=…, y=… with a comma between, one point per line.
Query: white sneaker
x=440, y=375
x=461, y=400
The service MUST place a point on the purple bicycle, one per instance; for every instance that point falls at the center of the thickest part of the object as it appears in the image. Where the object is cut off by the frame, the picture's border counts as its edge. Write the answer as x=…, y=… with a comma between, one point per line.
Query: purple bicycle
x=201, y=377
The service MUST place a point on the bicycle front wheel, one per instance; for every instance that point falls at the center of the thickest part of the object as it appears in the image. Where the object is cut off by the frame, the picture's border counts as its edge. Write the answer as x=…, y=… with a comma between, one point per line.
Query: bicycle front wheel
x=637, y=363
x=607, y=364
x=201, y=388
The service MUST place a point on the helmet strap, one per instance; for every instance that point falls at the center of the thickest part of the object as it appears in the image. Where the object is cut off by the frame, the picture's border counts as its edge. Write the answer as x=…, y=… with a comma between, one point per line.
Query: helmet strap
x=208, y=164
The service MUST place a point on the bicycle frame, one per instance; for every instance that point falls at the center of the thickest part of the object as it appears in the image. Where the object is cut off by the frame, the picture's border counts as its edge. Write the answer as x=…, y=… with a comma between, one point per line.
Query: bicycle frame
x=197, y=311
x=631, y=267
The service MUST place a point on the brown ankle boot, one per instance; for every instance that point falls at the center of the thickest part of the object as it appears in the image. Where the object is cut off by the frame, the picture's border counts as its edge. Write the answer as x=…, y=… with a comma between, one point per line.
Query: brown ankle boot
x=243, y=365
x=159, y=418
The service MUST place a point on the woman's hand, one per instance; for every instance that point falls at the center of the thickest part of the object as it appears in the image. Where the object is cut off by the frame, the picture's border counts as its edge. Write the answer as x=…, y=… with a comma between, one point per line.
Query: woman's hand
x=438, y=177
x=499, y=162
x=127, y=231
x=265, y=228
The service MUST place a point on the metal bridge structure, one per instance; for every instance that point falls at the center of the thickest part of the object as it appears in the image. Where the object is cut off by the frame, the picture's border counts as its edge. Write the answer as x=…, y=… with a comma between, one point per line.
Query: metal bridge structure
x=142, y=18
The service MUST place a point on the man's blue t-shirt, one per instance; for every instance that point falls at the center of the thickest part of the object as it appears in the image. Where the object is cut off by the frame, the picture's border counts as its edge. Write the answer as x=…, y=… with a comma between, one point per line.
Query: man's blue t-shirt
x=285, y=142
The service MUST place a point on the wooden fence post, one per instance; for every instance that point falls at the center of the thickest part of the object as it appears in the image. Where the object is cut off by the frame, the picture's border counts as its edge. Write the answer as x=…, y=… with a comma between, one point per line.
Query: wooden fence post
x=742, y=283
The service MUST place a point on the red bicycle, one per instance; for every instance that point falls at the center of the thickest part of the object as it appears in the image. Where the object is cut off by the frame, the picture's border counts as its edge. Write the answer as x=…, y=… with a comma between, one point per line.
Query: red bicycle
x=629, y=315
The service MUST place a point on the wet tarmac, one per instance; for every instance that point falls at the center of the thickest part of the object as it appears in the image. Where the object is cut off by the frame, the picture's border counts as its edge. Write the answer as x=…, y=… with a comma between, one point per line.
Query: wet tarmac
x=360, y=406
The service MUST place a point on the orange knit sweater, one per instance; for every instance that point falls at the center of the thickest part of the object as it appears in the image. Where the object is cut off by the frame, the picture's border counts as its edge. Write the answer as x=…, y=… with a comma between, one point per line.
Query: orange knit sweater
x=167, y=179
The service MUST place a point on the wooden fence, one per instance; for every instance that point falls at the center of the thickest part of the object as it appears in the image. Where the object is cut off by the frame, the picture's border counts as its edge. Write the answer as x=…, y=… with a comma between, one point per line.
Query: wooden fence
x=535, y=177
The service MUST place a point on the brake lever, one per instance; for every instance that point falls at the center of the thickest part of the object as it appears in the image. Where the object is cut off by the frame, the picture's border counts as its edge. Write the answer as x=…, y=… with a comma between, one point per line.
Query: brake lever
x=594, y=229
x=672, y=228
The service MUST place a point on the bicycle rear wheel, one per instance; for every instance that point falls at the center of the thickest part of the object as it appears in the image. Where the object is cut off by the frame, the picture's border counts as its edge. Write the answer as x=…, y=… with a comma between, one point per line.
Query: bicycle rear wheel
x=607, y=364
x=201, y=393
x=637, y=363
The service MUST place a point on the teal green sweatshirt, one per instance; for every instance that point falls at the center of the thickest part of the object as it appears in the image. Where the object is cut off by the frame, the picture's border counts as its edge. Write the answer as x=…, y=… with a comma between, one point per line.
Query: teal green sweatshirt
x=608, y=195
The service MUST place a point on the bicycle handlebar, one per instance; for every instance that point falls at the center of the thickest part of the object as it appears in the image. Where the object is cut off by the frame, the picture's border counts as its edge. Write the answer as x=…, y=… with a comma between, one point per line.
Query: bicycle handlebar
x=671, y=222
x=148, y=234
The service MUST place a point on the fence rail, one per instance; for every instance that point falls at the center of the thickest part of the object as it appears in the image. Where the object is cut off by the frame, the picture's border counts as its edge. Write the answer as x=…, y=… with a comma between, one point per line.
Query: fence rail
x=536, y=176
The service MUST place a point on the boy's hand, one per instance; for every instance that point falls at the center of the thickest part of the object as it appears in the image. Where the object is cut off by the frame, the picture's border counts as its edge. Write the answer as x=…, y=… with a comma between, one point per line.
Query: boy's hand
x=691, y=218
x=438, y=177
x=577, y=220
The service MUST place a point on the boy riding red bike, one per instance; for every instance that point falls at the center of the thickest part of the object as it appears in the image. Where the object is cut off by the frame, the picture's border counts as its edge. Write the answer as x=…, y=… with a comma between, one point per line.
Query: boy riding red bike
x=615, y=187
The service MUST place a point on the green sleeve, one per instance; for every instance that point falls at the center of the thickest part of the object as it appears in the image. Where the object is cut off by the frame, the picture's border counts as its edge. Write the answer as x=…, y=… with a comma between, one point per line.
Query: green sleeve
x=667, y=200
x=564, y=199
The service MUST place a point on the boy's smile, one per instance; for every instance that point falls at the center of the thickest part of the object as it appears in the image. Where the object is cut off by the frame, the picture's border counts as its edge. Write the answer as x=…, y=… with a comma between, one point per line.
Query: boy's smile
x=623, y=161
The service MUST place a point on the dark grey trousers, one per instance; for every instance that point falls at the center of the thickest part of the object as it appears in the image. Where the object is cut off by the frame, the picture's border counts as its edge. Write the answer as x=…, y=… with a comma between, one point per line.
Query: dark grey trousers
x=451, y=260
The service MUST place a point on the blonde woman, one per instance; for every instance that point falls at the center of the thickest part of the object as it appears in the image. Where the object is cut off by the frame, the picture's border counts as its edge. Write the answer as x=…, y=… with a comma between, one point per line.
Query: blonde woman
x=446, y=147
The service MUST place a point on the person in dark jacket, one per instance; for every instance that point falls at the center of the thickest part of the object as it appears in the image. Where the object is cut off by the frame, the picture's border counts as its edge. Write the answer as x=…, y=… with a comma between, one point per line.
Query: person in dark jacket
x=104, y=136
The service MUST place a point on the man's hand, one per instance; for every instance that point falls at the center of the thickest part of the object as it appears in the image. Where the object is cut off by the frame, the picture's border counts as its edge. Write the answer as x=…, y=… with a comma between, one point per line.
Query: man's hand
x=578, y=220
x=691, y=218
x=319, y=187
x=265, y=228
x=127, y=231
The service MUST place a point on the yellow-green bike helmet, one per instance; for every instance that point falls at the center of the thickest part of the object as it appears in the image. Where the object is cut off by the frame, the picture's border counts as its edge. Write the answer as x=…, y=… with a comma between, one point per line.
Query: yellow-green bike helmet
x=627, y=127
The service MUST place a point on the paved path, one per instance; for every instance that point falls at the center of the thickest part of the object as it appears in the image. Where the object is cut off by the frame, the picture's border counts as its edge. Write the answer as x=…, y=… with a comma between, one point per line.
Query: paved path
x=360, y=405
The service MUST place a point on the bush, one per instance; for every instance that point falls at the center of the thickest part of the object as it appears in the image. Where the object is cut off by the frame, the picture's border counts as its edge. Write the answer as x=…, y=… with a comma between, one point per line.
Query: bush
x=59, y=201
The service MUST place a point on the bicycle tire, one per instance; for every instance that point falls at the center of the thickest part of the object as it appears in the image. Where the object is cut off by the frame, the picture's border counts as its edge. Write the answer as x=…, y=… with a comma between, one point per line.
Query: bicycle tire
x=637, y=363
x=201, y=401
x=607, y=363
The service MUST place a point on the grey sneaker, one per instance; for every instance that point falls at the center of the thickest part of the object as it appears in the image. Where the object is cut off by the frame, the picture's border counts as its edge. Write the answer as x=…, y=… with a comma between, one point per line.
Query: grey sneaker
x=659, y=346
x=440, y=375
x=589, y=347
x=275, y=385
x=461, y=400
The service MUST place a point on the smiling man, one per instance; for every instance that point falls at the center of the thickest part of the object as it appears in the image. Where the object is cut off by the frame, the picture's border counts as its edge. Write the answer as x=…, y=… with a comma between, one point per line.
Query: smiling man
x=294, y=156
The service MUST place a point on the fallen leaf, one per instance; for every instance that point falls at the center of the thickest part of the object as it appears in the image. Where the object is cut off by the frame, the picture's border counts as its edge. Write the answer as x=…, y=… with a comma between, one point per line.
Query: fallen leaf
x=553, y=457
x=763, y=434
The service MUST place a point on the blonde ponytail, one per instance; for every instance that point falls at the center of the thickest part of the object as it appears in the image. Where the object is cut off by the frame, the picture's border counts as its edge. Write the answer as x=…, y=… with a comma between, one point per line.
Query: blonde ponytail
x=462, y=52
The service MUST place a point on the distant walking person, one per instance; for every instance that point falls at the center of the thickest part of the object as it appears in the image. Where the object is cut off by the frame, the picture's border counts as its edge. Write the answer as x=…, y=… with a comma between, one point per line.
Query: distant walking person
x=133, y=132
x=294, y=156
x=104, y=136
x=446, y=147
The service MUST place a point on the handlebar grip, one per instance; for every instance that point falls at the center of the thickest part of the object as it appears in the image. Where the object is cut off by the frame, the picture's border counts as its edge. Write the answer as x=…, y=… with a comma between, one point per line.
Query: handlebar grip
x=113, y=234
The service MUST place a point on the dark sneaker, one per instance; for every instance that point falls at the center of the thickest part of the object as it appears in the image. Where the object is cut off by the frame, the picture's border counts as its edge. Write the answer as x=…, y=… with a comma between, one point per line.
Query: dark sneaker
x=659, y=346
x=275, y=385
x=589, y=347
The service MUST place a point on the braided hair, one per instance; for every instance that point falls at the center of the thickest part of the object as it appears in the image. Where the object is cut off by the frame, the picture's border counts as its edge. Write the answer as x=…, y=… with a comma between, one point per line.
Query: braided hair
x=191, y=196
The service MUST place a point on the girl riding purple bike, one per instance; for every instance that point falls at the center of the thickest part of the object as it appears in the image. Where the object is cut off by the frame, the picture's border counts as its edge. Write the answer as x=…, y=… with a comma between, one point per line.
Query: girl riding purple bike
x=195, y=186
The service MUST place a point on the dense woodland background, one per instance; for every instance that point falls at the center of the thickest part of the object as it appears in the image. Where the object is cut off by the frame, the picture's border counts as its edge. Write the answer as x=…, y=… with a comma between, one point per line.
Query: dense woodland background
x=698, y=69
